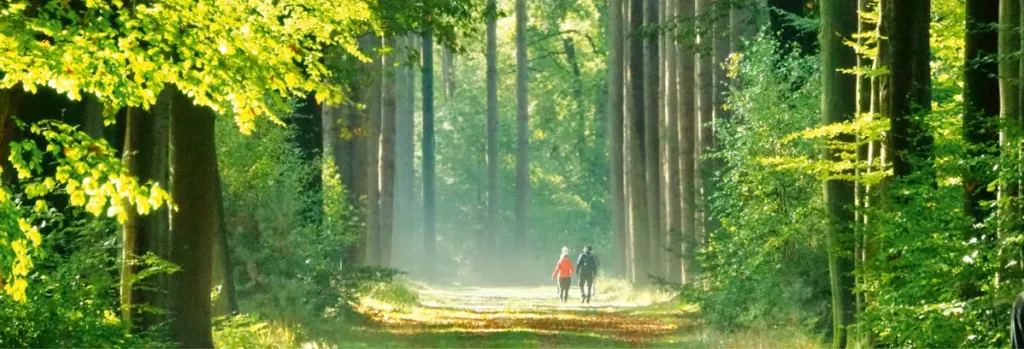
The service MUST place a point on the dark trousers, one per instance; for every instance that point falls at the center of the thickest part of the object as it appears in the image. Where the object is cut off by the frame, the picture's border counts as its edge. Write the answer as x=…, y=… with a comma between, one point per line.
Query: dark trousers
x=586, y=287
x=563, y=288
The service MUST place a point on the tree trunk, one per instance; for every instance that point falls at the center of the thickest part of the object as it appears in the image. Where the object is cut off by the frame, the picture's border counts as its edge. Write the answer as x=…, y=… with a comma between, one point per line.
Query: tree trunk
x=863, y=103
x=640, y=220
x=372, y=100
x=687, y=145
x=705, y=110
x=194, y=221
x=838, y=105
x=427, y=148
x=227, y=302
x=387, y=155
x=522, y=128
x=10, y=101
x=720, y=83
x=93, y=122
x=616, y=84
x=1009, y=67
x=146, y=155
x=909, y=86
x=493, y=145
x=673, y=264
x=404, y=246
x=653, y=183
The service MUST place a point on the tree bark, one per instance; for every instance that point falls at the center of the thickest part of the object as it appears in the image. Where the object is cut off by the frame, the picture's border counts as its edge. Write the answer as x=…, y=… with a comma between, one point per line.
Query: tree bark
x=1009, y=67
x=522, y=128
x=493, y=137
x=687, y=145
x=705, y=110
x=146, y=155
x=93, y=122
x=616, y=103
x=909, y=86
x=651, y=140
x=838, y=105
x=640, y=220
x=194, y=192
x=372, y=112
x=742, y=23
x=721, y=41
x=673, y=264
x=448, y=72
x=404, y=172
x=387, y=154
x=227, y=302
x=427, y=148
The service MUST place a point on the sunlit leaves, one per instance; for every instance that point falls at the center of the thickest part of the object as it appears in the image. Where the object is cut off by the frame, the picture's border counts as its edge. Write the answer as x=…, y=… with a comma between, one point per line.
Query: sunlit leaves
x=86, y=171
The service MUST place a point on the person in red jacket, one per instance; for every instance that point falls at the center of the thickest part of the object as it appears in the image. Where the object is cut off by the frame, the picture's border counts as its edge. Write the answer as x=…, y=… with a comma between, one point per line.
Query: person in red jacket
x=562, y=270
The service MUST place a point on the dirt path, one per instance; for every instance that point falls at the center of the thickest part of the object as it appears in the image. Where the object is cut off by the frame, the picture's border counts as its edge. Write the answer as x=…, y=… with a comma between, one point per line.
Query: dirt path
x=522, y=317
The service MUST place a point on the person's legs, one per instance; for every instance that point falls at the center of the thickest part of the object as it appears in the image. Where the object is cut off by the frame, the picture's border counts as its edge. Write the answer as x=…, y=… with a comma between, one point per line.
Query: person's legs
x=563, y=288
x=588, y=288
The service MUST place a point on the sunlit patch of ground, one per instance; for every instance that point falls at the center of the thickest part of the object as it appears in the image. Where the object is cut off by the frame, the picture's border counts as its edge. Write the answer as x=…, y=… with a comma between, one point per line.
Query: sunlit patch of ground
x=526, y=317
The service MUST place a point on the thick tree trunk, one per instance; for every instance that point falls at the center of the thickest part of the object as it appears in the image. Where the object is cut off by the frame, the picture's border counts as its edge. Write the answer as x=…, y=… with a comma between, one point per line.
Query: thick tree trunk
x=743, y=23
x=194, y=222
x=427, y=148
x=910, y=86
x=863, y=103
x=146, y=155
x=651, y=152
x=404, y=244
x=838, y=105
x=93, y=122
x=673, y=263
x=522, y=128
x=709, y=173
x=640, y=220
x=616, y=103
x=387, y=155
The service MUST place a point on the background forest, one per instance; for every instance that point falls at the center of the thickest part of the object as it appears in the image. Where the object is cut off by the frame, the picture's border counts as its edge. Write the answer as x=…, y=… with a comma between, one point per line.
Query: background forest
x=240, y=173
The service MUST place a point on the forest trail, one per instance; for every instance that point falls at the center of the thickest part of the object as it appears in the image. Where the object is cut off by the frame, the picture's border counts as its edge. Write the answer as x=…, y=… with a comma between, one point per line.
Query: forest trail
x=459, y=316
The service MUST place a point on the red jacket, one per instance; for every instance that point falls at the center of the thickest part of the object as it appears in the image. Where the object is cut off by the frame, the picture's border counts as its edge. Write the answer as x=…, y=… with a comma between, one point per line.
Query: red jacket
x=563, y=269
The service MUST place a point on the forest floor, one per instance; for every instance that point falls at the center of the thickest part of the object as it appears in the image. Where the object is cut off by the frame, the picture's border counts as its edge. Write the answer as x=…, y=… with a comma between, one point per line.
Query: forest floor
x=518, y=317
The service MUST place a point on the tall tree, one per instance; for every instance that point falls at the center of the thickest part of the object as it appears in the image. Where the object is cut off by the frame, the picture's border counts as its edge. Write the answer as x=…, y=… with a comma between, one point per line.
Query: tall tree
x=227, y=300
x=387, y=152
x=194, y=191
x=616, y=105
x=404, y=149
x=493, y=189
x=705, y=105
x=522, y=128
x=371, y=97
x=651, y=144
x=427, y=148
x=981, y=105
x=1009, y=68
x=909, y=85
x=688, y=142
x=838, y=23
x=672, y=263
x=743, y=23
x=721, y=41
x=639, y=219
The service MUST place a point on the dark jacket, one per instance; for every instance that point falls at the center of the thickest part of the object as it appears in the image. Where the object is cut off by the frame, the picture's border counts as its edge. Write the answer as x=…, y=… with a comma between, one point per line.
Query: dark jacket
x=586, y=264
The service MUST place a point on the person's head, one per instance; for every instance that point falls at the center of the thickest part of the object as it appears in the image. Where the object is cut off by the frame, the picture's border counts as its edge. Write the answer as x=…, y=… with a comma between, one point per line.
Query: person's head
x=565, y=250
x=587, y=249
x=565, y=255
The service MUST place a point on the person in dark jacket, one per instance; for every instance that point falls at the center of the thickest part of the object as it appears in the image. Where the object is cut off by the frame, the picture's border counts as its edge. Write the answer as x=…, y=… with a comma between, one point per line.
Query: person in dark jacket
x=586, y=269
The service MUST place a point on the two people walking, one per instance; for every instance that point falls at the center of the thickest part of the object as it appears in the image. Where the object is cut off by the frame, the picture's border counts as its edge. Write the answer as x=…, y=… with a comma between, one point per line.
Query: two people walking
x=585, y=268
